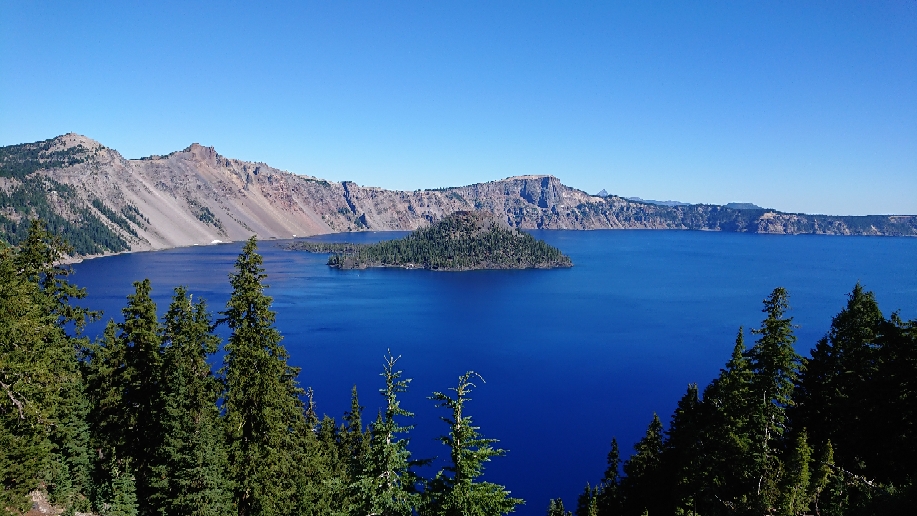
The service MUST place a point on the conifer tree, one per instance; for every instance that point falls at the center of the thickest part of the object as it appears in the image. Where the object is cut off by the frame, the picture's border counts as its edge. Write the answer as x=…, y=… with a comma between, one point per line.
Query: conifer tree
x=123, y=496
x=587, y=502
x=682, y=455
x=835, y=389
x=42, y=435
x=795, y=490
x=726, y=464
x=643, y=472
x=141, y=335
x=609, y=499
x=556, y=508
x=455, y=490
x=263, y=411
x=190, y=464
x=775, y=365
x=387, y=484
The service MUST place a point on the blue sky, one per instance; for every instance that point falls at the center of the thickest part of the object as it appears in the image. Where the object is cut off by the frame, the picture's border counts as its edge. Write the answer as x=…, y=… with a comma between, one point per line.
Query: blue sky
x=799, y=106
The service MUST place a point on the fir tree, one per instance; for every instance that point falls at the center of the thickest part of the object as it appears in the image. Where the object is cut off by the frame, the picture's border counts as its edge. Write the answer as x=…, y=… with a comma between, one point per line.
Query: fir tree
x=725, y=465
x=835, y=389
x=643, y=472
x=142, y=338
x=42, y=401
x=775, y=365
x=587, y=502
x=190, y=465
x=608, y=498
x=682, y=454
x=556, y=508
x=386, y=484
x=794, y=490
x=455, y=491
x=263, y=411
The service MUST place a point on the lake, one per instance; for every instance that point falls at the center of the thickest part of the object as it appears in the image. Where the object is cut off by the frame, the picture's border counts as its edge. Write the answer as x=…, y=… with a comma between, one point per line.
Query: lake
x=571, y=357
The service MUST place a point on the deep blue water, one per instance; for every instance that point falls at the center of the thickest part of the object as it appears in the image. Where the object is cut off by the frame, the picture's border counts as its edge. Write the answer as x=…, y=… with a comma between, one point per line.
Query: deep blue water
x=572, y=357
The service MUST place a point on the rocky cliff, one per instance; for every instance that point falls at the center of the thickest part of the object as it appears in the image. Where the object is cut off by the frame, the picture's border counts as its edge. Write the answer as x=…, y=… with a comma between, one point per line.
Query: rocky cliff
x=106, y=203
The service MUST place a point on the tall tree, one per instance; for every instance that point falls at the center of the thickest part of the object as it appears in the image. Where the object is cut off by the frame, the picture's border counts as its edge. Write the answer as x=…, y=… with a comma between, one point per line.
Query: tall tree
x=387, y=484
x=609, y=499
x=682, y=455
x=643, y=472
x=42, y=432
x=190, y=464
x=455, y=491
x=836, y=390
x=263, y=410
x=775, y=366
x=142, y=337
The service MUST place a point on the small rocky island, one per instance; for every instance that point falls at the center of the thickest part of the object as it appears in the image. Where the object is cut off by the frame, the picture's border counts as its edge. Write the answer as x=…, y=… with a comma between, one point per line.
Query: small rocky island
x=462, y=241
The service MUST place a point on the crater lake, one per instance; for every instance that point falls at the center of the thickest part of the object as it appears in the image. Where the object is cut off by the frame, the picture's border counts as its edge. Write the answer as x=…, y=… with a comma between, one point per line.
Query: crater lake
x=571, y=357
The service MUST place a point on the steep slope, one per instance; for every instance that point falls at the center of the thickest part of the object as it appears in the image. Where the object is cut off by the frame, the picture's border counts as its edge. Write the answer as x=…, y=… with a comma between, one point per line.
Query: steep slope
x=105, y=203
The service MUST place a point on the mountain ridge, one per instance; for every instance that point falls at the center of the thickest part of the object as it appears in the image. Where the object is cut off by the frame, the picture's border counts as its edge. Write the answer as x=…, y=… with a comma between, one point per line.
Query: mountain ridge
x=197, y=196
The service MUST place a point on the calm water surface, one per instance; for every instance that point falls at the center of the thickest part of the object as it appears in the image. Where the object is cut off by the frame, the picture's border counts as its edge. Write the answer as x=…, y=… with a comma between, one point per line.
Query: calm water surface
x=571, y=357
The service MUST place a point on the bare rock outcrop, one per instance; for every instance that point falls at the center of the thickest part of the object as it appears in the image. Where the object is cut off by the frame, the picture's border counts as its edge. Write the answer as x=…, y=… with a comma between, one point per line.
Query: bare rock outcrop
x=196, y=196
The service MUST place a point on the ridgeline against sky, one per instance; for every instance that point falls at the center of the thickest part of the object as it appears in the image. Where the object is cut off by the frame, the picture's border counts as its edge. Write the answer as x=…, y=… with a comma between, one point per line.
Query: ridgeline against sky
x=801, y=107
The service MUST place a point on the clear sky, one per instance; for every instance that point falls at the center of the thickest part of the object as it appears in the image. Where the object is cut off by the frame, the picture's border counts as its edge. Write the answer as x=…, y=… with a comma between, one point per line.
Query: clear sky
x=800, y=106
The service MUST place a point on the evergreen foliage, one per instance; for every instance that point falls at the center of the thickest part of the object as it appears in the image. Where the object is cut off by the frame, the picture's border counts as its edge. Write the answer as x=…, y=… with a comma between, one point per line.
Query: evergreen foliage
x=387, y=484
x=42, y=405
x=460, y=241
x=190, y=468
x=455, y=490
x=263, y=410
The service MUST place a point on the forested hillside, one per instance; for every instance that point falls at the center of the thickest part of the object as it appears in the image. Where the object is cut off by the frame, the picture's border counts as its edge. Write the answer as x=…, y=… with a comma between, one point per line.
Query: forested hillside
x=834, y=433
x=460, y=241
x=138, y=422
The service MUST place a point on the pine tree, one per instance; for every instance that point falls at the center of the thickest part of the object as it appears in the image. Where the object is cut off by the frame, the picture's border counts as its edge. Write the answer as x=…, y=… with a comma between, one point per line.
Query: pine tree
x=795, y=490
x=142, y=337
x=263, y=411
x=682, y=455
x=643, y=473
x=386, y=484
x=123, y=496
x=775, y=365
x=190, y=465
x=42, y=434
x=556, y=508
x=608, y=499
x=587, y=502
x=725, y=465
x=835, y=392
x=454, y=491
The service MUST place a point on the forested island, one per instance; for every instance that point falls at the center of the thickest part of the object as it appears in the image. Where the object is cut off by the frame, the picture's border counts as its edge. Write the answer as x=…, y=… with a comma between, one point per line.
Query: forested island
x=461, y=241
x=137, y=422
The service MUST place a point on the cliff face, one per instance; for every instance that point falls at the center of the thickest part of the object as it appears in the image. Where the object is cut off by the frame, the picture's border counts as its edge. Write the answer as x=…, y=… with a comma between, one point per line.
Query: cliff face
x=196, y=196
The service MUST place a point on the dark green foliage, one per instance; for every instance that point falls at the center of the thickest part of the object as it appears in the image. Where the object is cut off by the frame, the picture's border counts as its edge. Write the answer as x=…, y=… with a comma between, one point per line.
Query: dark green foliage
x=113, y=216
x=325, y=247
x=455, y=491
x=386, y=484
x=643, y=473
x=19, y=161
x=29, y=199
x=42, y=404
x=190, y=465
x=461, y=241
x=263, y=411
x=775, y=366
x=608, y=497
x=556, y=508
